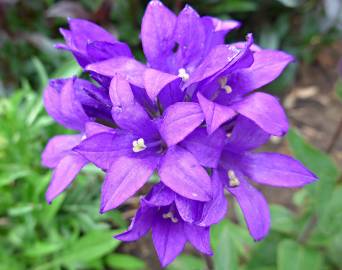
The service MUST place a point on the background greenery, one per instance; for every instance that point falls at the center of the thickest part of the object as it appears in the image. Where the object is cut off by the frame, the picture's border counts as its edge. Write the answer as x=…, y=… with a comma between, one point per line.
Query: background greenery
x=70, y=234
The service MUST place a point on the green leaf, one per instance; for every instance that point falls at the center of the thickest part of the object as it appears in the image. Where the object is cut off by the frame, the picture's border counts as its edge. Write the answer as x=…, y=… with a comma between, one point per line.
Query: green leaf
x=318, y=162
x=41, y=249
x=123, y=261
x=187, y=262
x=91, y=246
x=282, y=219
x=42, y=74
x=225, y=253
x=292, y=256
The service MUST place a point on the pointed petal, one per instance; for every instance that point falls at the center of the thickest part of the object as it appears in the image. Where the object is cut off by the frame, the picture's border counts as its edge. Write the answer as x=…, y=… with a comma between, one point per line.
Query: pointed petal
x=127, y=67
x=190, y=36
x=127, y=112
x=71, y=108
x=157, y=32
x=84, y=31
x=265, y=111
x=179, y=120
x=155, y=81
x=217, y=59
x=246, y=136
x=180, y=171
x=216, y=30
x=222, y=59
x=206, y=148
x=214, y=210
x=168, y=239
x=141, y=224
x=124, y=178
x=171, y=94
x=276, y=170
x=61, y=103
x=267, y=66
x=57, y=148
x=215, y=114
x=100, y=50
x=160, y=195
x=254, y=207
x=64, y=174
x=189, y=210
x=103, y=148
x=93, y=128
x=199, y=237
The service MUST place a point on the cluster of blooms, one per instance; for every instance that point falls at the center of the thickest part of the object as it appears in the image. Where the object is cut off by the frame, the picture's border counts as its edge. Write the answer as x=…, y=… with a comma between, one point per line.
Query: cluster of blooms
x=189, y=114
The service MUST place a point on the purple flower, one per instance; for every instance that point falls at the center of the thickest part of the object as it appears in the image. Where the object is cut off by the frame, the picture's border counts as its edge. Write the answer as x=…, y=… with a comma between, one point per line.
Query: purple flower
x=174, y=220
x=238, y=164
x=131, y=153
x=186, y=59
x=90, y=43
x=72, y=103
x=189, y=114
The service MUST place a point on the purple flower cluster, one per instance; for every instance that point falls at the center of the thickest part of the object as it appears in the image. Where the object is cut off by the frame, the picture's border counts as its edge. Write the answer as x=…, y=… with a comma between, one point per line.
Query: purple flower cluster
x=189, y=115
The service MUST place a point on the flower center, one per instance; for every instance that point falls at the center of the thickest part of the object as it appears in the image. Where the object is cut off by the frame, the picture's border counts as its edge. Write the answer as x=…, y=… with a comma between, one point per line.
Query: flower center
x=233, y=180
x=171, y=216
x=224, y=85
x=139, y=145
x=183, y=74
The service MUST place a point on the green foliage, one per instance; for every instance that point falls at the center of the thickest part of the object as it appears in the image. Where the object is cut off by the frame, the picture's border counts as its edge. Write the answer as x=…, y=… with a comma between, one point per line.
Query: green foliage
x=34, y=235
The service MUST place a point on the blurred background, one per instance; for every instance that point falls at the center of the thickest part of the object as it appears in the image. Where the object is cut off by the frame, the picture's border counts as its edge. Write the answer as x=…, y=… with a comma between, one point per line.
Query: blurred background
x=70, y=234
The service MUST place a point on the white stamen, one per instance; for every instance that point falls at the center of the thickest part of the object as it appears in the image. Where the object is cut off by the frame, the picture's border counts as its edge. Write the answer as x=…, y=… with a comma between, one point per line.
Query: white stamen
x=170, y=216
x=224, y=85
x=183, y=74
x=233, y=180
x=139, y=145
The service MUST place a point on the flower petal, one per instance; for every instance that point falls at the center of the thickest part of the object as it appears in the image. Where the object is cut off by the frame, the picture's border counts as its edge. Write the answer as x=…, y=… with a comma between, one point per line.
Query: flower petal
x=93, y=128
x=254, y=207
x=267, y=66
x=71, y=108
x=100, y=50
x=265, y=111
x=215, y=114
x=141, y=224
x=103, y=148
x=84, y=32
x=179, y=120
x=168, y=239
x=57, y=148
x=155, y=81
x=157, y=32
x=127, y=112
x=70, y=115
x=276, y=170
x=190, y=36
x=124, y=178
x=64, y=174
x=214, y=210
x=206, y=148
x=217, y=59
x=129, y=68
x=189, y=210
x=216, y=30
x=199, y=237
x=180, y=171
x=160, y=195
x=246, y=135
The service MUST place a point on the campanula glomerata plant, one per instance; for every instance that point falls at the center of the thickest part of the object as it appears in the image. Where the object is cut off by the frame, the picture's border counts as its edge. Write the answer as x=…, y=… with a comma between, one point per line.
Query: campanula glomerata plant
x=190, y=114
